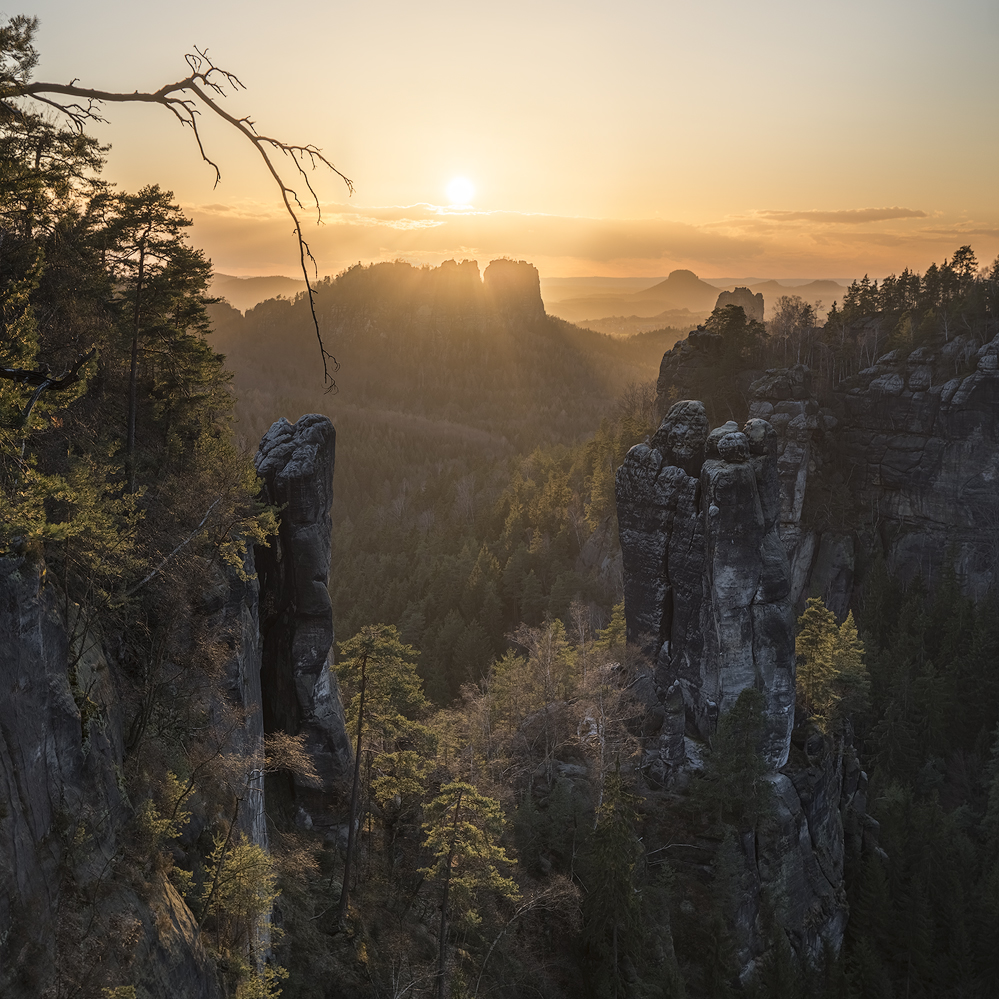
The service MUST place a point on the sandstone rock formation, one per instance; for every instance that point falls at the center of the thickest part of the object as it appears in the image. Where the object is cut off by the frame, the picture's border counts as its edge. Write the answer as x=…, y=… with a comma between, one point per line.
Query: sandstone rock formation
x=708, y=595
x=898, y=462
x=299, y=691
x=62, y=811
x=706, y=577
x=751, y=304
x=513, y=288
x=231, y=610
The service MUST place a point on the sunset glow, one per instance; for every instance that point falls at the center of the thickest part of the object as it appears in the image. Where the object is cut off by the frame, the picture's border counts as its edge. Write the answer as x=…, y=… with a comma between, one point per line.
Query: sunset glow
x=764, y=140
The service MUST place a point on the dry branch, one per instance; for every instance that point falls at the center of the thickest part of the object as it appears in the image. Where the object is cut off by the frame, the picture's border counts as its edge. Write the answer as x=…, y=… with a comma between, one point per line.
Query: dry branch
x=45, y=380
x=185, y=99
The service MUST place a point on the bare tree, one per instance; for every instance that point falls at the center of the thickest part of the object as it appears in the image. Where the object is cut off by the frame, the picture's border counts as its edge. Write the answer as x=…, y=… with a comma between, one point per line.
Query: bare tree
x=187, y=100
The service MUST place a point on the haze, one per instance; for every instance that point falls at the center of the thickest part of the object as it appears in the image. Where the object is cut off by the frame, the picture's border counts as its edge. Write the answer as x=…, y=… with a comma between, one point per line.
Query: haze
x=773, y=139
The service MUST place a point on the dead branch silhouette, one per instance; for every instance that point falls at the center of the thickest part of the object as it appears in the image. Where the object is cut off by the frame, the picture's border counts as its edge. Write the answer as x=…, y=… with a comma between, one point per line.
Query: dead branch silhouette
x=207, y=83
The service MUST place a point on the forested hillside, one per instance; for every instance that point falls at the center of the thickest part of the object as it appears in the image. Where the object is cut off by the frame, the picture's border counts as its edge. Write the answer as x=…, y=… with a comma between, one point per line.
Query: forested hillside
x=478, y=440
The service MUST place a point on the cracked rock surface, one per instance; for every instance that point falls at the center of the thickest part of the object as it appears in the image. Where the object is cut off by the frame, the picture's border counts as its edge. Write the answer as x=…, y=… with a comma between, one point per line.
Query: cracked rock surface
x=299, y=691
x=706, y=578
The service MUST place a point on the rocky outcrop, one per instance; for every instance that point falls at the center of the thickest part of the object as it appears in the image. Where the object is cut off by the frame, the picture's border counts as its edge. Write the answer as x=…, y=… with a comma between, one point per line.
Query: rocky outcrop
x=231, y=609
x=64, y=908
x=299, y=691
x=68, y=903
x=751, y=304
x=708, y=595
x=513, y=288
x=898, y=462
x=706, y=578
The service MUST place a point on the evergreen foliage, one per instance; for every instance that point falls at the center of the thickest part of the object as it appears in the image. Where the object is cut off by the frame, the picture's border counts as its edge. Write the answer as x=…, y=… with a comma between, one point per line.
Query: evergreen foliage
x=733, y=789
x=832, y=681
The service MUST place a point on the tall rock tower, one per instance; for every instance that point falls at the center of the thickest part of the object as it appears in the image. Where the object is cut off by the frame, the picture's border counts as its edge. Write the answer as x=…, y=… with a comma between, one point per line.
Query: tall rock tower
x=299, y=691
x=706, y=577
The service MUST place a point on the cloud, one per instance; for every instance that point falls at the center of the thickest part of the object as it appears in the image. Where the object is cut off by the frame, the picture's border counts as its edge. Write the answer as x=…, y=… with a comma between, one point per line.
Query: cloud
x=959, y=233
x=847, y=216
x=254, y=239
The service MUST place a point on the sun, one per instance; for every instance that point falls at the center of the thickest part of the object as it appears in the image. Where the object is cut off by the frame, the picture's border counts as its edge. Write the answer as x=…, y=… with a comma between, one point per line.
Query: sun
x=461, y=191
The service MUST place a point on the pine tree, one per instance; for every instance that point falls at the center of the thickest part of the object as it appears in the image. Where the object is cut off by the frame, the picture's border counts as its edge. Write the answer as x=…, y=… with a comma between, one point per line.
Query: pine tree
x=611, y=906
x=382, y=689
x=815, y=649
x=832, y=680
x=462, y=830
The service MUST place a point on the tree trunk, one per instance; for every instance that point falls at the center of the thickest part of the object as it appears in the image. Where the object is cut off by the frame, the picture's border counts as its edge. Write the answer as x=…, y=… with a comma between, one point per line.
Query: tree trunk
x=133, y=394
x=442, y=943
x=348, y=860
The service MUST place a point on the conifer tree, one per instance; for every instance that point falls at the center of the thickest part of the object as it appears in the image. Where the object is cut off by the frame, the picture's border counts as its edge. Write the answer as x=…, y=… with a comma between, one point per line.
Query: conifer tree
x=462, y=830
x=832, y=680
x=382, y=688
x=611, y=906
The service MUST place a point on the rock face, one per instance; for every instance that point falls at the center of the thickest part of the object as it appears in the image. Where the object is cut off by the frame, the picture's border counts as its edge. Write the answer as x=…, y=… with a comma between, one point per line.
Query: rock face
x=513, y=287
x=299, y=691
x=751, y=304
x=61, y=812
x=65, y=904
x=231, y=609
x=706, y=577
x=899, y=461
x=708, y=595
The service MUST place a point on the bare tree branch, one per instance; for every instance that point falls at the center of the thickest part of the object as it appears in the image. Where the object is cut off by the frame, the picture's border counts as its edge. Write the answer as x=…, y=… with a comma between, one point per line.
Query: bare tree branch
x=185, y=99
x=138, y=586
x=46, y=381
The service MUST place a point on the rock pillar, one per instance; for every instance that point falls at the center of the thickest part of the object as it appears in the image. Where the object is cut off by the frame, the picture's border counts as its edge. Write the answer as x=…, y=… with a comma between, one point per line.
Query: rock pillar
x=705, y=574
x=300, y=693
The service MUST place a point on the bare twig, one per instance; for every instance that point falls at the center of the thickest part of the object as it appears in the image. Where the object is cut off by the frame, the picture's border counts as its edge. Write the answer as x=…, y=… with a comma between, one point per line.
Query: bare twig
x=138, y=586
x=185, y=99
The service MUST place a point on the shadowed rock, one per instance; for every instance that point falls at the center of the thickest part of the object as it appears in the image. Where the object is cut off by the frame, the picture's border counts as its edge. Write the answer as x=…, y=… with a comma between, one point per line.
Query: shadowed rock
x=300, y=692
x=513, y=287
x=706, y=577
x=751, y=304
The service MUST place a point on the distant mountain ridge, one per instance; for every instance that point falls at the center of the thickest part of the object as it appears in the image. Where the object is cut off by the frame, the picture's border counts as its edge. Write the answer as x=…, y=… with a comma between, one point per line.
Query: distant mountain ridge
x=245, y=292
x=610, y=304
x=683, y=289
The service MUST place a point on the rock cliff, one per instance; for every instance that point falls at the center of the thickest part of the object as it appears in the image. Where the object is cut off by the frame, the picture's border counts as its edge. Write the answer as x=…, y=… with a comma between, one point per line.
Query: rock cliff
x=72, y=901
x=513, y=288
x=897, y=462
x=299, y=691
x=708, y=595
x=64, y=909
x=751, y=304
x=724, y=535
x=706, y=577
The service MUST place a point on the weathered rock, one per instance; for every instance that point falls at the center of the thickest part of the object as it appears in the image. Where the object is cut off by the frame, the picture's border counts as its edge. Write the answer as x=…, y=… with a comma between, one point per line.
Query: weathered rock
x=299, y=691
x=63, y=908
x=899, y=462
x=232, y=612
x=513, y=288
x=706, y=579
x=751, y=304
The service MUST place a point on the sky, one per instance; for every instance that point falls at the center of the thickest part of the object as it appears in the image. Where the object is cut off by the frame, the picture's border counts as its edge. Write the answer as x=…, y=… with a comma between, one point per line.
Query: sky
x=730, y=137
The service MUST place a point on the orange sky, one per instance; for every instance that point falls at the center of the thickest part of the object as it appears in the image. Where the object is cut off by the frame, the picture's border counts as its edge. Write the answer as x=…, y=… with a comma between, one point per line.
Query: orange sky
x=771, y=139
